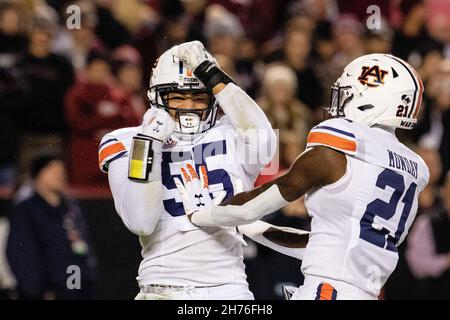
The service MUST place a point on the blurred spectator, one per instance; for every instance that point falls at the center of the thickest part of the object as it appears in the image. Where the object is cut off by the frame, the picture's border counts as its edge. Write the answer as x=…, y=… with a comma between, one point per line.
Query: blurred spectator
x=12, y=92
x=358, y=8
x=427, y=133
x=12, y=88
x=76, y=43
x=7, y=280
x=226, y=37
x=435, y=129
x=223, y=31
x=128, y=72
x=47, y=235
x=302, y=22
x=442, y=82
x=438, y=22
x=286, y=114
x=283, y=109
x=109, y=29
x=348, y=32
x=12, y=40
x=269, y=13
x=227, y=65
x=195, y=12
x=151, y=41
x=324, y=49
x=135, y=13
x=428, y=252
x=429, y=198
x=38, y=8
x=317, y=11
x=411, y=32
x=379, y=40
x=48, y=76
x=59, y=5
x=247, y=65
x=93, y=109
x=296, y=50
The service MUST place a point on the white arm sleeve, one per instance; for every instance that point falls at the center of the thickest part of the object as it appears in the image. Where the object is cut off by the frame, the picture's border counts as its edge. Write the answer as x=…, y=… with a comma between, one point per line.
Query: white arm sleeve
x=251, y=124
x=231, y=215
x=255, y=231
x=138, y=204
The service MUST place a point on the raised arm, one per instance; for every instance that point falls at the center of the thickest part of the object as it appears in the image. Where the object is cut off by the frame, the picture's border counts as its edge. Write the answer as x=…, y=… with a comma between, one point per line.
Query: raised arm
x=133, y=164
x=246, y=117
x=243, y=111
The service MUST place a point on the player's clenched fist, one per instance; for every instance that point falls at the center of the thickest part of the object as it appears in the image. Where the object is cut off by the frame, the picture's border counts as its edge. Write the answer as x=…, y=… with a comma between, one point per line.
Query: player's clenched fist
x=192, y=53
x=158, y=124
x=146, y=146
x=202, y=63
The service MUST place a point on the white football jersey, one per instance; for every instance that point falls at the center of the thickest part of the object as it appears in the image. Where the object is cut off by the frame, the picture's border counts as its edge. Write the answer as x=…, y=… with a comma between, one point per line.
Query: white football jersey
x=358, y=221
x=178, y=252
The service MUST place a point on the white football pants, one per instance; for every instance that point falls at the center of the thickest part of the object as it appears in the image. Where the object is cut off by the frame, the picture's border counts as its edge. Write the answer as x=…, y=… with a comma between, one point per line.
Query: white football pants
x=224, y=292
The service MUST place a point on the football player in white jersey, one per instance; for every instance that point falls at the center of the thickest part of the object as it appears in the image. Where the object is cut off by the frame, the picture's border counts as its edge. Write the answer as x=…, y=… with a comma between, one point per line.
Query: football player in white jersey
x=182, y=128
x=361, y=183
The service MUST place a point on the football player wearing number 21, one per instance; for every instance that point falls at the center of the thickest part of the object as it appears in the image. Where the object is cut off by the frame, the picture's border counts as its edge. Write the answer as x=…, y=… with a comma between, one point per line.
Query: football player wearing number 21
x=183, y=135
x=361, y=183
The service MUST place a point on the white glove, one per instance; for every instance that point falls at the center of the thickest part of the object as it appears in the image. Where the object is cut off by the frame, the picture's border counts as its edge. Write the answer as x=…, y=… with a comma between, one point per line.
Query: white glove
x=192, y=53
x=158, y=124
x=195, y=191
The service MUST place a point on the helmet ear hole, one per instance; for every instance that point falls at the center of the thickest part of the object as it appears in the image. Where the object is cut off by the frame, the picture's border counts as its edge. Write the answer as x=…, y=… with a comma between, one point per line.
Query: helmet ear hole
x=366, y=107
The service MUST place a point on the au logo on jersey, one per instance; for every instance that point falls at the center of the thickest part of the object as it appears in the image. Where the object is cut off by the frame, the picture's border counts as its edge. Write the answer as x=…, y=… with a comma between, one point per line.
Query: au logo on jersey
x=372, y=76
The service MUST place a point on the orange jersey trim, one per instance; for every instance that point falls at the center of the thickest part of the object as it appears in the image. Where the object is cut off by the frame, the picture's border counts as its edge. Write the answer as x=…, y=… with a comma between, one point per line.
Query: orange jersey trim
x=110, y=150
x=326, y=292
x=332, y=141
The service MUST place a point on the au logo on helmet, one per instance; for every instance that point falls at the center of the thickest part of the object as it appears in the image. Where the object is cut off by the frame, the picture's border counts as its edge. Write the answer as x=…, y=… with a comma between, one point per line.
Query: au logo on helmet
x=372, y=76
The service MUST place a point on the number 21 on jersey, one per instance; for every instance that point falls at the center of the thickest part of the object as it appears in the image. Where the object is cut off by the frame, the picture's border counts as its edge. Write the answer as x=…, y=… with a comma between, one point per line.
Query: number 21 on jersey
x=377, y=234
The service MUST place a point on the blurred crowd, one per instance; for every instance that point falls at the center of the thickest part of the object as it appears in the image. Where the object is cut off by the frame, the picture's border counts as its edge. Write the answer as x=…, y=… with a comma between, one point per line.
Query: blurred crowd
x=63, y=85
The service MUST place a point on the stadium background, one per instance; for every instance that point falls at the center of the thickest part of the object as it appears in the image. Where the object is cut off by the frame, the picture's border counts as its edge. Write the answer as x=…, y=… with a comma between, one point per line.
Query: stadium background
x=284, y=53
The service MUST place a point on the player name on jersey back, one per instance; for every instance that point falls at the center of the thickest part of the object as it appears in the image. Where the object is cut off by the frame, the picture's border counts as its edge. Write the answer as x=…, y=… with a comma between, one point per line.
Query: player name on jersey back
x=400, y=162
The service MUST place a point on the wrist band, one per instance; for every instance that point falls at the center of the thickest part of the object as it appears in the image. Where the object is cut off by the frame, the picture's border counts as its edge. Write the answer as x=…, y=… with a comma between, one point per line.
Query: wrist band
x=141, y=158
x=211, y=75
